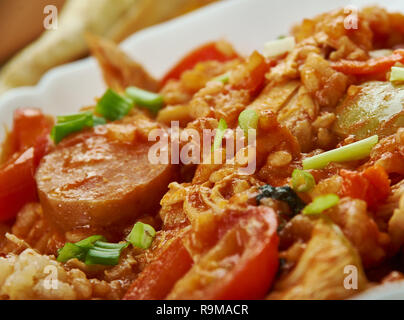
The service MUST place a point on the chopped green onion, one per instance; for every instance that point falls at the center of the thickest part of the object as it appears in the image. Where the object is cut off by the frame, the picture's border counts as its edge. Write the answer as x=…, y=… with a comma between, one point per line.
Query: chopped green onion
x=302, y=181
x=247, y=120
x=320, y=204
x=103, y=257
x=224, y=78
x=93, y=250
x=113, y=106
x=279, y=46
x=70, y=251
x=220, y=132
x=105, y=253
x=109, y=246
x=73, y=123
x=354, y=151
x=98, y=121
x=87, y=116
x=89, y=242
x=142, y=235
x=69, y=124
x=146, y=99
x=397, y=74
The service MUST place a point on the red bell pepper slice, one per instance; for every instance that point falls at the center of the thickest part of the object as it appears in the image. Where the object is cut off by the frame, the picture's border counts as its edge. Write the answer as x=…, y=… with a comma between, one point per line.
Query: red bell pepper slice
x=30, y=124
x=17, y=184
x=157, y=279
x=371, y=185
x=242, y=265
x=208, y=52
x=371, y=66
x=256, y=67
x=30, y=142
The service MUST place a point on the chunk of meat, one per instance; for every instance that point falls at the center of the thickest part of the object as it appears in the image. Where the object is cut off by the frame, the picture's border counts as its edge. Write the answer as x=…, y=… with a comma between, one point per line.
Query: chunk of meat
x=359, y=227
x=329, y=31
x=385, y=211
x=396, y=224
x=93, y=181
x=326, y=85
x=191, y=81
x=320, y=272
x=228, y=101
x=119, y=70
x=389, y=154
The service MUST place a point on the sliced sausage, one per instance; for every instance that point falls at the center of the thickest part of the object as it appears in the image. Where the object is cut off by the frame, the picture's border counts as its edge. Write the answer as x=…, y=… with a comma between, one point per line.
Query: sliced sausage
x=91, y=181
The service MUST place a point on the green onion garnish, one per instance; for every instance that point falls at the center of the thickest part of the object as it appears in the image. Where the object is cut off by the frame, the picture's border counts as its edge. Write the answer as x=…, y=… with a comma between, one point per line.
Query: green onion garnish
x=247, y=120
x=98, y=121
x=67, y=125
x=89, y=242
x=73, y=123
x=95, y=249
x=142, y=235
x=220, y=132
x=354, y=151
x=146, y=99
x=103, y=257
x=109, y=246
x=224, y=78
x=113, y=106
x=84, y=116
x=302, y=181
x=79, y=249
x=105, y=253
x=397, y=74
x=320, y=204
x=70, y=251
x=92, y=250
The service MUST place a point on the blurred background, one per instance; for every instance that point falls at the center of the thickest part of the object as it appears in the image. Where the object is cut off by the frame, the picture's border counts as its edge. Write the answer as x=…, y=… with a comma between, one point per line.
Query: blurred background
x=28, y=49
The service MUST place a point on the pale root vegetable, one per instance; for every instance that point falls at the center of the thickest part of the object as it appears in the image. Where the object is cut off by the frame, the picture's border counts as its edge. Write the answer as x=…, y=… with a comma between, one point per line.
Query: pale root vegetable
x=280, y=46
x=372, y=108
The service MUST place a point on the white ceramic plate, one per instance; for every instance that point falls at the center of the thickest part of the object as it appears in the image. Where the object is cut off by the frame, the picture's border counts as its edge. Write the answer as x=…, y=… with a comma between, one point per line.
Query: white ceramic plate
x=248, y=24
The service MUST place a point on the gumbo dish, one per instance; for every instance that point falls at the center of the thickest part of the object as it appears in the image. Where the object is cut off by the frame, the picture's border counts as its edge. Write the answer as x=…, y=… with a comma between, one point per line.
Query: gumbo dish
x=86, y=214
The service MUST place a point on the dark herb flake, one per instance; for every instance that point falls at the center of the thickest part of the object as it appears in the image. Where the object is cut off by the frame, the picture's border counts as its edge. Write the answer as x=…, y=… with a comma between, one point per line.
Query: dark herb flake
x=285, y=194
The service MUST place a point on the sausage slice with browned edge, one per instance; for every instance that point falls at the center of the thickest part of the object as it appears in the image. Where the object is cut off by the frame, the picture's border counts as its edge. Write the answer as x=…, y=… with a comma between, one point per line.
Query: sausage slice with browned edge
x=95, y=182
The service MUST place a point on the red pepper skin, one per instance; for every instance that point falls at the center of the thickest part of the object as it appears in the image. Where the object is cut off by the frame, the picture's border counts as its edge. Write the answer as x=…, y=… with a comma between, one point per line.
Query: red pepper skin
x=157, y=279
x=371, y=66
x=208, y=52
x=371, y=185
x=30, y=142
x=17, y=184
